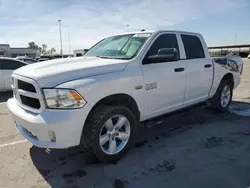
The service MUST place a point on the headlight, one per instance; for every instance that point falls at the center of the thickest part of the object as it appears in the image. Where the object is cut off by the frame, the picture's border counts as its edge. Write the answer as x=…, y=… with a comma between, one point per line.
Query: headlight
x=63, y=98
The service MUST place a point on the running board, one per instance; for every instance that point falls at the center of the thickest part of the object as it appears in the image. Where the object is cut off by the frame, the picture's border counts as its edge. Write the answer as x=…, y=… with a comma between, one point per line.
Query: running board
x=163, y=119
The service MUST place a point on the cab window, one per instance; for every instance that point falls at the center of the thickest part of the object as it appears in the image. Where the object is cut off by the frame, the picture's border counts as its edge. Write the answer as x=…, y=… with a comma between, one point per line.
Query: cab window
x=8, y=64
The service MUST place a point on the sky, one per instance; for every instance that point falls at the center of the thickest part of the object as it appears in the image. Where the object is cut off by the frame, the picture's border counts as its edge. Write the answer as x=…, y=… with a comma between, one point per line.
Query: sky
x=85, y=22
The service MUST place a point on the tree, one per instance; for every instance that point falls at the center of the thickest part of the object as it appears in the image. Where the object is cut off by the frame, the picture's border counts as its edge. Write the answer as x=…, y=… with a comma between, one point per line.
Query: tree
x=51, y=51
x=41, y=50
x=32, y=45
x=44, y=48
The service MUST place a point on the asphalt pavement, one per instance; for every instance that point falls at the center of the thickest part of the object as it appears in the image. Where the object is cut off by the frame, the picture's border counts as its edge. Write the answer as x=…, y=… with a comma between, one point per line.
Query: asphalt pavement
x=194, y=148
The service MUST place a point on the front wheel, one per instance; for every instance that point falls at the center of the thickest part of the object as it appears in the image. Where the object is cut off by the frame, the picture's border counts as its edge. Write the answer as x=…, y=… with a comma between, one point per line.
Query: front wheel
x=223, y=96
x=109, y=132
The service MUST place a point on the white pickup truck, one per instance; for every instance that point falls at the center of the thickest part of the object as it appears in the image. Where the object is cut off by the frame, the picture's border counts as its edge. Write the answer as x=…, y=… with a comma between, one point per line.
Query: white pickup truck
x=98, y=100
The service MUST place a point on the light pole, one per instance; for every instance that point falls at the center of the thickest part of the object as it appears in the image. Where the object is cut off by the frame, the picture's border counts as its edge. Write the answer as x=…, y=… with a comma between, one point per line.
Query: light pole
x=69, y=41
x=59, y=21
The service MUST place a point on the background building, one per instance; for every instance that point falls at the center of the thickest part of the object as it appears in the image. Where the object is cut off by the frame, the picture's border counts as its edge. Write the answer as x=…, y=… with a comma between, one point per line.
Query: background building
x=23, y=52
x=241, y=50
x=6, y=50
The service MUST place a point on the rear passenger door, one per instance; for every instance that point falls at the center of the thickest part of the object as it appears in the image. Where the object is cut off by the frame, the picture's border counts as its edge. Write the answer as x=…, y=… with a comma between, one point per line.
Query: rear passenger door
x=8, y=66
x=199, y=69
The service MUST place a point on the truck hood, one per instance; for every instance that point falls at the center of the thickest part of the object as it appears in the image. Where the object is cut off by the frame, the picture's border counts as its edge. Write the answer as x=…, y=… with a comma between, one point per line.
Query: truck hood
x=54, y=72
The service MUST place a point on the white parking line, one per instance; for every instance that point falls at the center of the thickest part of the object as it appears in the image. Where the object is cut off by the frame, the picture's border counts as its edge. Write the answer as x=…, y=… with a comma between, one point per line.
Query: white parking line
x=13, y=143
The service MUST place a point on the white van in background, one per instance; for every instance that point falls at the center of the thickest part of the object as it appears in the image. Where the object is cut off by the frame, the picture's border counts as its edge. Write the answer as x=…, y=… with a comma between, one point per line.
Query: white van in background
x=7, y=66
x=79, y=52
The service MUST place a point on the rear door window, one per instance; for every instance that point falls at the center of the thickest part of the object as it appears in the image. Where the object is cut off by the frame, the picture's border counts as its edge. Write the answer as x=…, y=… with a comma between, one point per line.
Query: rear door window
x=193, y=47
x=8, y=64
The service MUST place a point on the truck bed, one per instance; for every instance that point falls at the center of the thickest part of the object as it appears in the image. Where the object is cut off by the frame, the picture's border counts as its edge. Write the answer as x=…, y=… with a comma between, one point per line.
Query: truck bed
x=233, y=63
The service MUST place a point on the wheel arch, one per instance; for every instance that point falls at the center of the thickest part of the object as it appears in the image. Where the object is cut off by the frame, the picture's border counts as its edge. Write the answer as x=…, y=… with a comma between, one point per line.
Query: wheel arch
x=229, y=77
x=218, y=80
x=121, y=99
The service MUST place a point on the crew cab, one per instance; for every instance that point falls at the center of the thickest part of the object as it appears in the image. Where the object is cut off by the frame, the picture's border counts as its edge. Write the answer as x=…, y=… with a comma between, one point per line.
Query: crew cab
x=98, y=100
x=7, y=66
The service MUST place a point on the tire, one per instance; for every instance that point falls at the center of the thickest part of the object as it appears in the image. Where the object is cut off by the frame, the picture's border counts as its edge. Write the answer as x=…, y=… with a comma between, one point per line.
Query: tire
x=217, y=102
x=98, y=127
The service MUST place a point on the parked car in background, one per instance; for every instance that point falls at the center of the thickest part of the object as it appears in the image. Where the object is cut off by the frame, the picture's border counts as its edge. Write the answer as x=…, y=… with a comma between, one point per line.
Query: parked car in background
x=98, y=100
x=248, y=57
x=7, y=66
x=37, y=58
x=43, y=59
x=26, y=59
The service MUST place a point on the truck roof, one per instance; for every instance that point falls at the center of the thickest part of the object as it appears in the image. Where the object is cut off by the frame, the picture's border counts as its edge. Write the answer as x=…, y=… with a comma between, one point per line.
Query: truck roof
x=159, y=31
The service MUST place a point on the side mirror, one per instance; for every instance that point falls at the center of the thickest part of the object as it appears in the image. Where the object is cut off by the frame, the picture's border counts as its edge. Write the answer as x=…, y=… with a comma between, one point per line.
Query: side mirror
x=164, y=55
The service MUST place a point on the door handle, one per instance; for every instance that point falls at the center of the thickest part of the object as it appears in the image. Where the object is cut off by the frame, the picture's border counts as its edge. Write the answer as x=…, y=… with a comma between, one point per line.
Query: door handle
x=179, y=69
x=207, y=65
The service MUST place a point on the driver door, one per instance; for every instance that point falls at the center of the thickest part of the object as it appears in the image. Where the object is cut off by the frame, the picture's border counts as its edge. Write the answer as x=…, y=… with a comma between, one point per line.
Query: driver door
x=166, y=78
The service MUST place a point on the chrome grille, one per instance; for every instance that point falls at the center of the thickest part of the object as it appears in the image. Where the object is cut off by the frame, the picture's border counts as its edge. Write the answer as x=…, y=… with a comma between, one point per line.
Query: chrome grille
x=31, y=102
x=27, y=93
x=26, y=86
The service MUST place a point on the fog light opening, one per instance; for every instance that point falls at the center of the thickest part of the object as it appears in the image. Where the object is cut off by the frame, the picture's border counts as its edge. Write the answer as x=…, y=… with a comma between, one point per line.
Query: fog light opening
x=52, y=136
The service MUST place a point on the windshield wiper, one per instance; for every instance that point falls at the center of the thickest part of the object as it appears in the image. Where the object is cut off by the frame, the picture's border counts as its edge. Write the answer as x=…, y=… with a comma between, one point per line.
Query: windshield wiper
x=105, y=57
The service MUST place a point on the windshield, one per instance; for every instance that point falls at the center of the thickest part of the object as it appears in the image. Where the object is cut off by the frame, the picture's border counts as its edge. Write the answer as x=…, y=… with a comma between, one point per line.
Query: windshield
x=119, y=47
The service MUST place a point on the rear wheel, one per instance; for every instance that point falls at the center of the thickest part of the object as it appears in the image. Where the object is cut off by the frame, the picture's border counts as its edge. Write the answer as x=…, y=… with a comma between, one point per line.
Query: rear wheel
x=223, y=96
x=108, y=134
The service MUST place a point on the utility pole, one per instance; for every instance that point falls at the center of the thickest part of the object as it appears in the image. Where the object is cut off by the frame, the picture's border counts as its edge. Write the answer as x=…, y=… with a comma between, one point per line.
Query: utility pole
x=59, y=21
x=69, y=40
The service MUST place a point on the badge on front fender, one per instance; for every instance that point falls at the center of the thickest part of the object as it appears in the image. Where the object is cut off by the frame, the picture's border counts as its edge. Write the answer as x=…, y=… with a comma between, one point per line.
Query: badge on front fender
x=151, y=86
